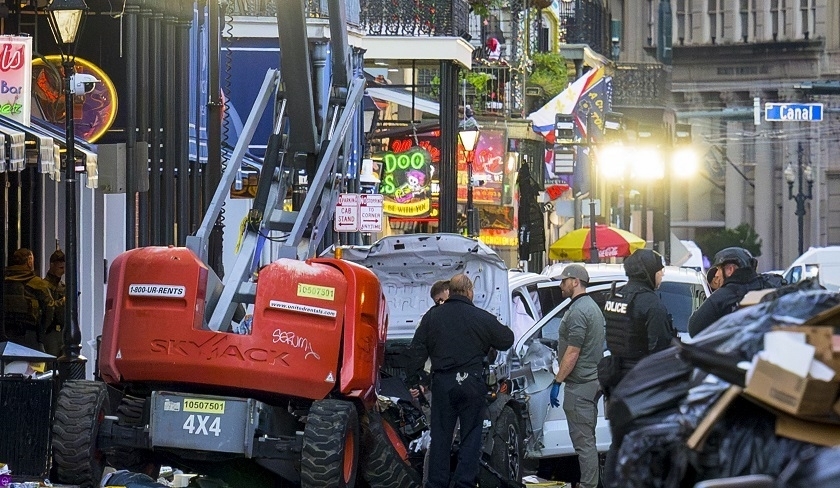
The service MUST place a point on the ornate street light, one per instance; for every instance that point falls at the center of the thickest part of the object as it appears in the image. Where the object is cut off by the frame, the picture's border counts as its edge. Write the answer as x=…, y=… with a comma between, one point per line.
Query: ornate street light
x=468, y=136
x=65, y=18
x=805, y=173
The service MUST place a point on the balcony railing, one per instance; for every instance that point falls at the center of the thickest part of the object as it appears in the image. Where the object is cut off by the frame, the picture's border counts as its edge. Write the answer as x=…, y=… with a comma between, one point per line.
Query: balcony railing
x=640, y=85
x=432, y=18
x=315, y=9
x=495, y=97
x=586, y=22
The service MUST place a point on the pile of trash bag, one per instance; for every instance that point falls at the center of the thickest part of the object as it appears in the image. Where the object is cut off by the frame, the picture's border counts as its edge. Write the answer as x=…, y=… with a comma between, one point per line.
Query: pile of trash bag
x=659, y=404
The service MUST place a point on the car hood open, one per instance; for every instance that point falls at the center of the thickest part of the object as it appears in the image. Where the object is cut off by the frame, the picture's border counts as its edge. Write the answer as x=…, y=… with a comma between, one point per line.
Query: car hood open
x=408, y=265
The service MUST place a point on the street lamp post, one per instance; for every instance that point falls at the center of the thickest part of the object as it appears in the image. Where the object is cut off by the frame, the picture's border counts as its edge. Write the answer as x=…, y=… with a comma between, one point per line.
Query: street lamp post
x=468, y=136
x=65, y=17
x=803, y=172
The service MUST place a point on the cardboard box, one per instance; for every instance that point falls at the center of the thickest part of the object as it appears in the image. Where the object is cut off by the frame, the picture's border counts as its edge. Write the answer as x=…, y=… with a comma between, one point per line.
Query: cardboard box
x=823, y=339
x=790, y=393
x=807, y=430
x=754, y=297
x=698, y=437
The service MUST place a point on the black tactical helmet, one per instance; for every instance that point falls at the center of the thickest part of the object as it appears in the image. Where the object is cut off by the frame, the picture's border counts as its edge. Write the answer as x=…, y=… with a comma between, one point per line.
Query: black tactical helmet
x=735, y=255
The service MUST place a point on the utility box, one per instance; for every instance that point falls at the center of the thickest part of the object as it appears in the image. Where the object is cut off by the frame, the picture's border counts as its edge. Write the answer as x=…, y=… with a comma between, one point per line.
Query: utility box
x=26, y=406
x=111, y=162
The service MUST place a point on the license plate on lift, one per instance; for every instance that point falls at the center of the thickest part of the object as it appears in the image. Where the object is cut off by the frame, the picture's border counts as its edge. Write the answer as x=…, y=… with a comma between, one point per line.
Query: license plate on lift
x=201, y=422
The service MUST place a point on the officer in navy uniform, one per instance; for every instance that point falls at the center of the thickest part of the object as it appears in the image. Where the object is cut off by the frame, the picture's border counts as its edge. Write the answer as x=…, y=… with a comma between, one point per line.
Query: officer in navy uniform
x=456, y=335
x=638, y=324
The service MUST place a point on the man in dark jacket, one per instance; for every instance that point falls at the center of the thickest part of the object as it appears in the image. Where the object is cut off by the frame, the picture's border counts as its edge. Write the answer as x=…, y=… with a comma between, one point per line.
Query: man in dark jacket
x=457, y=336
x=638, y=323
x=53, y=339
x=739, y=277
x=29, y=306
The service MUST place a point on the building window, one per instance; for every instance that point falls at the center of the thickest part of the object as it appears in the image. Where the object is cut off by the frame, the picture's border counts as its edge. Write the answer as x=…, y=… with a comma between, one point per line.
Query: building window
x=717, y=27
x=778, y=19
x=807, y=10
x=682, y=17
x=747, y=17
x=652, y=14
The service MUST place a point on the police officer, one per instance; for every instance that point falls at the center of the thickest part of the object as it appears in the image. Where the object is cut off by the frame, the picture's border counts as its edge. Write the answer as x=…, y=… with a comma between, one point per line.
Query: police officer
x=739, y=277
x=53, y=338
x=29, y=306
x=638, y=323
x=457, y=336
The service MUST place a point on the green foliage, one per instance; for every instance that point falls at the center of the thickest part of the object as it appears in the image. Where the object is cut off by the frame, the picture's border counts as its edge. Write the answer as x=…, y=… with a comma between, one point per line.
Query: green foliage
x=549, y=72
x=478, y=80
x=744, y=235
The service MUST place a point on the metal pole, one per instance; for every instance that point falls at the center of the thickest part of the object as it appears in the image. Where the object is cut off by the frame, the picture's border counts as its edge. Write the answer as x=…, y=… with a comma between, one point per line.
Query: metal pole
x=72, y=364
x=593, y=245
x=448, y=196
x=472, y=214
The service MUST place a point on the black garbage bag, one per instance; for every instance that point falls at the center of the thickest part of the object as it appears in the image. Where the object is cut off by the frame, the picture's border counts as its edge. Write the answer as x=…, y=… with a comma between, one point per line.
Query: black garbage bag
x=127, y=479
x=816, y=467
x=653, y=456
x=744, y=441
x=657, y=383
x=722, y=365
x=741, y=333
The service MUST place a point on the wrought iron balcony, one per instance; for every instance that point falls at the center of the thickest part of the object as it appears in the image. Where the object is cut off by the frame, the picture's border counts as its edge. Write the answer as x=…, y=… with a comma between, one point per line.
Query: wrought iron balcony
x=586, y=22
x=316, y=9
x=490, y=90
x=641, y=85
x=432, y=18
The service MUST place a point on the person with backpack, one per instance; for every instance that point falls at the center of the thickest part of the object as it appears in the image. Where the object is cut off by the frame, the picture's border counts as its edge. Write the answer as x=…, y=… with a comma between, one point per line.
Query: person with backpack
x=739, y=277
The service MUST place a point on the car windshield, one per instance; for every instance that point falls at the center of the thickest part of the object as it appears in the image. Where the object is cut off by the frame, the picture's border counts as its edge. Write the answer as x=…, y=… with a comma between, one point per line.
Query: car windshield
x=678, y=298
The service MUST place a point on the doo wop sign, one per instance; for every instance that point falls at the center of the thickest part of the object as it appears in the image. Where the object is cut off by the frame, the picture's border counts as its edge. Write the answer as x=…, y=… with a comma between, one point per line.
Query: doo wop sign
x=16, y=77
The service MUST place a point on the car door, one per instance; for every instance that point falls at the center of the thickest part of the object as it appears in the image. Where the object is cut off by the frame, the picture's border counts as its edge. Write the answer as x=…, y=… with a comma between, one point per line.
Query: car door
x=538, y=354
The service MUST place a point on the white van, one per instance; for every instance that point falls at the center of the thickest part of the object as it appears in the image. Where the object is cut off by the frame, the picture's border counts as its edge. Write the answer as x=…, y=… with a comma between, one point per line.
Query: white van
x=819, y=262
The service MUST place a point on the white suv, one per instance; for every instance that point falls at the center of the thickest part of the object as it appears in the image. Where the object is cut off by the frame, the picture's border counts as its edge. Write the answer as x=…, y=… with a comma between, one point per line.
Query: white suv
x=530, y=303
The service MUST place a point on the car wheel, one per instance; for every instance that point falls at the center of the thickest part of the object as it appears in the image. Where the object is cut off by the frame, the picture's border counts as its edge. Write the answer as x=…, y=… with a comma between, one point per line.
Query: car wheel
x=508, y=450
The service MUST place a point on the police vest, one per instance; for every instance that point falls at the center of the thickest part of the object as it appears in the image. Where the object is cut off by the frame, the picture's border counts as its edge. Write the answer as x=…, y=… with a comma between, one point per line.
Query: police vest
x=625, y=339
x=21, y=308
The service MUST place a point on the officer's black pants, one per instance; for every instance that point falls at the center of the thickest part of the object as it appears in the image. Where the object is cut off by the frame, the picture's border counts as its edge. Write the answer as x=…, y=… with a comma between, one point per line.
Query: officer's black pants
x=451, y=402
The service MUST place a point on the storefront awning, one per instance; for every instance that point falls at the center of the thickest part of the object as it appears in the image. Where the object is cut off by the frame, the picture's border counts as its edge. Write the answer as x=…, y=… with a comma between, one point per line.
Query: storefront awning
x=404, y=98
x=47, y=141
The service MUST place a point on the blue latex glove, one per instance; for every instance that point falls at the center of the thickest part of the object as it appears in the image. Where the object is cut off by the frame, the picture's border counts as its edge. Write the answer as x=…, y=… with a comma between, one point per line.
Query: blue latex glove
x=555, y=390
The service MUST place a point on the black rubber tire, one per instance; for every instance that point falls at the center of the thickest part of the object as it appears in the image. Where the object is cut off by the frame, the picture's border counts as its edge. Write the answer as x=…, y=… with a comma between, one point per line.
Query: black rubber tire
x=332, y=427
x=508, y=450
x=382, y=464
x=80, y=408
x=130, y=413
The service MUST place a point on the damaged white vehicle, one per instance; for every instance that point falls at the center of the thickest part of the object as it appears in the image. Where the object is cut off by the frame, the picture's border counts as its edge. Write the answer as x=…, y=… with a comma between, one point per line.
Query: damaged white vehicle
x=521, y=424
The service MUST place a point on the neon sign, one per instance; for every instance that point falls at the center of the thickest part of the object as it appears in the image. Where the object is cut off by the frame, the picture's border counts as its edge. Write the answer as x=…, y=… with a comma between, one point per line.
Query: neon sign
x=406, y=182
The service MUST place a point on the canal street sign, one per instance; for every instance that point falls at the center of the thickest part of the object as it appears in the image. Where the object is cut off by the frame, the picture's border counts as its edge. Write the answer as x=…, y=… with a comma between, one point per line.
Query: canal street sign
x=793, y=112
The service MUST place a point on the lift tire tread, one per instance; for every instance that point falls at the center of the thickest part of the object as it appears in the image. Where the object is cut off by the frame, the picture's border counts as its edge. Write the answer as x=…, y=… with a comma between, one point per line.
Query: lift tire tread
x=130, y=413
x=80, y=406
x=381, y=465
x=328, y=424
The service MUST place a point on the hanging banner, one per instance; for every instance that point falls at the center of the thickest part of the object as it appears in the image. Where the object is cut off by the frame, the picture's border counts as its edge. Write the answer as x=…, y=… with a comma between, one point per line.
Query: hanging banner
x=16, y=77
x=406, y=182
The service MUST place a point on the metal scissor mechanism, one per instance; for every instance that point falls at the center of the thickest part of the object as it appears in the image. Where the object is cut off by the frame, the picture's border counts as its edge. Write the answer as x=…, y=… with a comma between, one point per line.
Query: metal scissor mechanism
x=302, y=161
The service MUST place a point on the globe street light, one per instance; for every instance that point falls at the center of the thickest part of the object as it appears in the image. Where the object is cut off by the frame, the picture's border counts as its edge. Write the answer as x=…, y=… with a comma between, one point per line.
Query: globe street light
x=65, y=17
x=468, y=136
x=804, y=172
